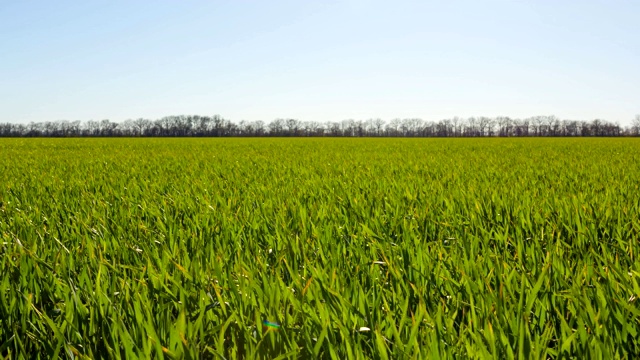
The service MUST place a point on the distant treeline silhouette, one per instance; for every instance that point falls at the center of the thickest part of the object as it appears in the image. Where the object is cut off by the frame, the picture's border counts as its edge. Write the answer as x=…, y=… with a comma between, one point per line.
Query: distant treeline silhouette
x=216, y=126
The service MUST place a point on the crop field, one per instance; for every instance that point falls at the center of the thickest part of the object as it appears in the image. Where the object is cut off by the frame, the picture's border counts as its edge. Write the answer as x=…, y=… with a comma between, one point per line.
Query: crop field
x=319, y=248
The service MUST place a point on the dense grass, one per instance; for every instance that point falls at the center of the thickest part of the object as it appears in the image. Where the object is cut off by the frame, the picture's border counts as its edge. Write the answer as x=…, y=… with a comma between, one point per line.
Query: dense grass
x=139, y=248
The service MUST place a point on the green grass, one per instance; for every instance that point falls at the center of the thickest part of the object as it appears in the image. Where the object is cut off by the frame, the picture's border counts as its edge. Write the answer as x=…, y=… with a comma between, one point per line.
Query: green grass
x=143, y=248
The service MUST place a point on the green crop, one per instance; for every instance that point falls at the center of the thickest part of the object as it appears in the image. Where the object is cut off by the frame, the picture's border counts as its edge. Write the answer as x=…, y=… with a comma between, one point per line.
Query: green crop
x=345, y=248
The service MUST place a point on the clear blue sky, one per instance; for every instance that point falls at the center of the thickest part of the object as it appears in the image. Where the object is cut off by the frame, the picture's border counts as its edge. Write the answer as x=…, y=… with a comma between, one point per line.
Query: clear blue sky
x=318, y=60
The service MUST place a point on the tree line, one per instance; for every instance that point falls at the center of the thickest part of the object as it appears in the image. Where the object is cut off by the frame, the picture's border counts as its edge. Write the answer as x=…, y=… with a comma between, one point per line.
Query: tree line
x=217, y=126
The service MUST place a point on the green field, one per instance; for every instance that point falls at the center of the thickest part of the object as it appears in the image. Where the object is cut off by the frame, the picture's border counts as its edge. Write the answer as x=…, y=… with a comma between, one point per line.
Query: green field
x=357, y=248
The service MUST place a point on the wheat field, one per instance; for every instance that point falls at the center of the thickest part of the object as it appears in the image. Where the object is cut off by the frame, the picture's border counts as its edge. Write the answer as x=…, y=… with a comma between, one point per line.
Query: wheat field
x=346, y=248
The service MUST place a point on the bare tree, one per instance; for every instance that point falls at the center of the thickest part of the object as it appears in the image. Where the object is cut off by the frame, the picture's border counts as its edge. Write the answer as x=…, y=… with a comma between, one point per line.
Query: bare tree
x=276, y=126
x=141, y=125
x=379, y=125
x=485, y=126
x=293, y=125
x=455, y=122
x=471, y=127
x=393, y=126
x=635, y=126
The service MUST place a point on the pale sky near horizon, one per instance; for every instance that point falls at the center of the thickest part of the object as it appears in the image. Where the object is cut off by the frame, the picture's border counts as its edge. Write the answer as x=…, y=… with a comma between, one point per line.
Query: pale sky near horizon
x=318, y=60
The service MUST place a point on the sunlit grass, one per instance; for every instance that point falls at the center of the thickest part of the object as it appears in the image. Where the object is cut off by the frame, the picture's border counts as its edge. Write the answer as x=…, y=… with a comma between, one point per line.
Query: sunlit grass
x=355, y=248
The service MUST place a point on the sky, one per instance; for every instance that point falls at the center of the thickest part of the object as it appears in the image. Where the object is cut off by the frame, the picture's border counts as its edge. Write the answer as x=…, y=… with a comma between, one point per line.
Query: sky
x=318, y=60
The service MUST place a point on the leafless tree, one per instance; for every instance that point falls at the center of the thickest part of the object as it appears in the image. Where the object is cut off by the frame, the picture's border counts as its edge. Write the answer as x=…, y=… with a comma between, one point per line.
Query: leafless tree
x=635, y=126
